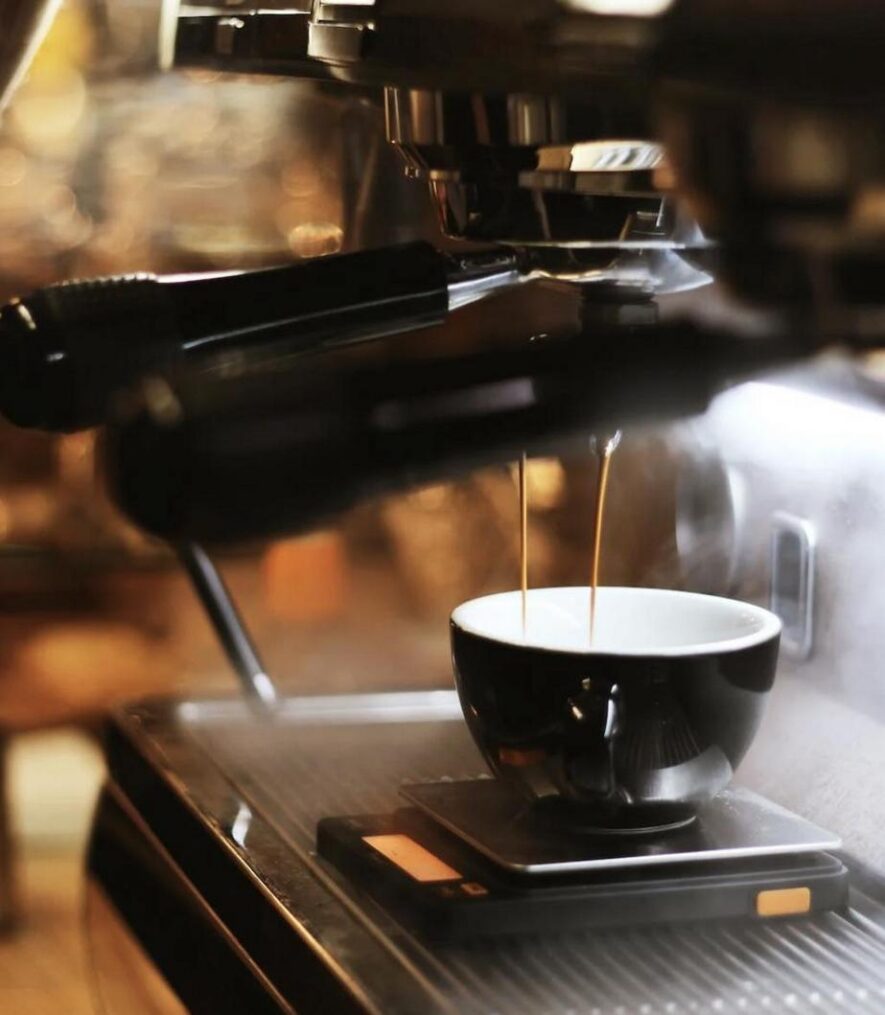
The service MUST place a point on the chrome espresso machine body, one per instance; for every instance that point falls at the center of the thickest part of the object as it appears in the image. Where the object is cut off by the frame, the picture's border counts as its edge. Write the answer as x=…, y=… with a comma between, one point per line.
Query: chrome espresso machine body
x=616, y=156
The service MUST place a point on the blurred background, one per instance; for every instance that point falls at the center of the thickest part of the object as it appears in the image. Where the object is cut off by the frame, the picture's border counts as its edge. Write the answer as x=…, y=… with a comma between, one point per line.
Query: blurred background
x=108, y=167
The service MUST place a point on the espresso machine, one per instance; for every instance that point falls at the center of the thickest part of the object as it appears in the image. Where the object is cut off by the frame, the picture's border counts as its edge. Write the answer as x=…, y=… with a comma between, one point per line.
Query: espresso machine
x=618, y=156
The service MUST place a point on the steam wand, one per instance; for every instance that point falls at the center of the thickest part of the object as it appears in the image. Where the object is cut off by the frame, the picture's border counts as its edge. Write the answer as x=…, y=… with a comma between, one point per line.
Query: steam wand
x=229, y=625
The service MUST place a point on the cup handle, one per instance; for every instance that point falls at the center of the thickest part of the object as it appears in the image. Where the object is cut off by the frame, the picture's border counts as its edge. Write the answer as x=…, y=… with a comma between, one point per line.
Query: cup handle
x=598, y=706
x=599, y=702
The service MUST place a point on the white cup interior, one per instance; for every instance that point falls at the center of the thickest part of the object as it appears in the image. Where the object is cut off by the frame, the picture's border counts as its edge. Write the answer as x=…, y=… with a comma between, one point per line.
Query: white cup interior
x=629, y=621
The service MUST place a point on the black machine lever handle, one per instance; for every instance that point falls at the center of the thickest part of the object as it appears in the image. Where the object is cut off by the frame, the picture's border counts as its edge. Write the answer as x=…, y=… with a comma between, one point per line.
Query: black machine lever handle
x=65, y=349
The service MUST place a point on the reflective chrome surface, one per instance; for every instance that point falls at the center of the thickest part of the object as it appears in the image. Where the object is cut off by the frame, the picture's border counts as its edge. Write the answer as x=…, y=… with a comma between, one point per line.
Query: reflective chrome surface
x=532, y=172
x=614, y=156
x=770, y=116
x=464, y=291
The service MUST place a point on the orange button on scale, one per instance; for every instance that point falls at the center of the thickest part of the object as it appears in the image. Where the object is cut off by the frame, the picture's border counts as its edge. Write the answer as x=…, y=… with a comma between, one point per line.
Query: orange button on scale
x=783, y=901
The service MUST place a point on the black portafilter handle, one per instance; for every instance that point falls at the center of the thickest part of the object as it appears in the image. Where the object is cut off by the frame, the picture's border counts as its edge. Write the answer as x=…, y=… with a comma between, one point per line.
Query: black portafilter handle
x=222, y=459
x=65, y=349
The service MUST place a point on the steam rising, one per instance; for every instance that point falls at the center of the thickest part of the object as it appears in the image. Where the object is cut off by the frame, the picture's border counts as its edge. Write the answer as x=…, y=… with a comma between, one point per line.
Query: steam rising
x=817, y=452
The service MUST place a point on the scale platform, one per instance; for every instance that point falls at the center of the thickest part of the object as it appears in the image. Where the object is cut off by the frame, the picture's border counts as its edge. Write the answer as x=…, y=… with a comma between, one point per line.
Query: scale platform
x=470, y=859
x=737, y=824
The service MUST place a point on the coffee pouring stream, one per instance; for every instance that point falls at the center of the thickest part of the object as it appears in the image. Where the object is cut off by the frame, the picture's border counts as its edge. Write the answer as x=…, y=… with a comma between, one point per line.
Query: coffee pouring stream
x=523, y=538
x=603, y=447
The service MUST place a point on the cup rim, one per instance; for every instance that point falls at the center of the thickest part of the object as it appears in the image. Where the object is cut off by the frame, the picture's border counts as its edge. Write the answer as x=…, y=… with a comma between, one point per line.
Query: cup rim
x=770, y=626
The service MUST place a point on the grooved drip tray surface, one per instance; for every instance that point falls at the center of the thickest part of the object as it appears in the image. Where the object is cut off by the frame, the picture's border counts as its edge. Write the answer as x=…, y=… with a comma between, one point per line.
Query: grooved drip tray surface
x=339, y=756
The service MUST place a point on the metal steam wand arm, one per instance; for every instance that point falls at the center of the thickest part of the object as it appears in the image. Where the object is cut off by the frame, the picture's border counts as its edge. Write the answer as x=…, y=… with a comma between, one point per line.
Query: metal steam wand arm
x=224, y=616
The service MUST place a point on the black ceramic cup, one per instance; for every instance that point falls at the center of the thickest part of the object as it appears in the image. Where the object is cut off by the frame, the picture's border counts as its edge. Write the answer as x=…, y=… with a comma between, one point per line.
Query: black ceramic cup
x=632, y=732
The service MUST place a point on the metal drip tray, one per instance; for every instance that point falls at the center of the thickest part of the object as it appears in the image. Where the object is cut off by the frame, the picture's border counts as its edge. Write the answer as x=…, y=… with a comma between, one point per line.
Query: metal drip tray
x=234, y=802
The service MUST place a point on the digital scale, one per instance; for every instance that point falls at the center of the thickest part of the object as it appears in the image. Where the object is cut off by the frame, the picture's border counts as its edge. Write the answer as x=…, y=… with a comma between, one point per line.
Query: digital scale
x=470, y=858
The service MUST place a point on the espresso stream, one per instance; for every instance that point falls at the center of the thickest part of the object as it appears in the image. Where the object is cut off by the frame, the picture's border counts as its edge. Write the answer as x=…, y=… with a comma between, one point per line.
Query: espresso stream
x=523, y=539
x=606, y=447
